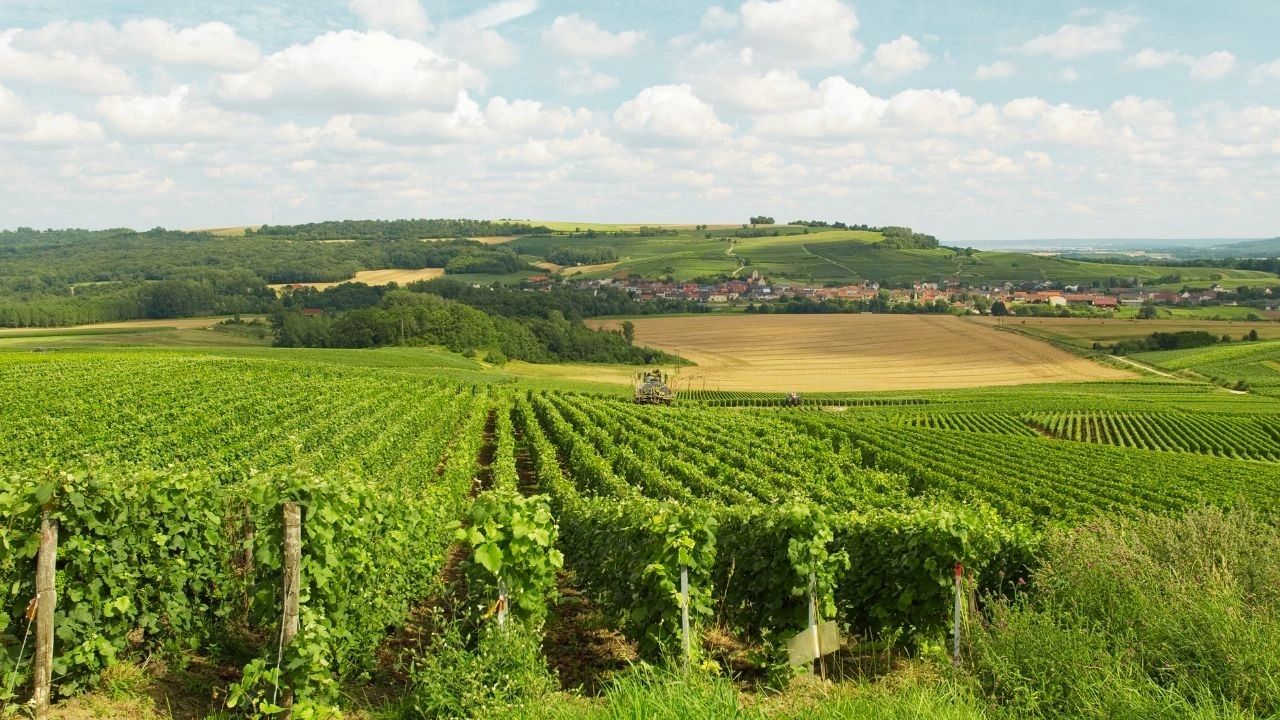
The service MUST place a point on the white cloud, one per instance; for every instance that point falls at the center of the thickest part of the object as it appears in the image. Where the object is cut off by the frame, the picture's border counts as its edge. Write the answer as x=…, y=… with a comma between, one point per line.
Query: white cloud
x=211, y=45
x=1150, y=58
x=1213, y=66
x=352, y=70
x=995, y=71
x=577, y=36
x=60, y=69
x=580, y=79
x=1074, y=41
x=400, y=17
x=1063, y=123
x=12, y=113
x=669, y=113
x=1265, y=72
x=170, y=116
x=474, y=39
x=774, y=90
x=1069, y=74
x=897, y=58
x=717, y=19
x=61, y=129
x=845, y=109
x=802, y=32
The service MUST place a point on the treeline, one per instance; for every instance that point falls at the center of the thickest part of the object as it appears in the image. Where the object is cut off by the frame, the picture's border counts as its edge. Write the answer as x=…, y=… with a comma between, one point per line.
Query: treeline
x=212, y=293
x=404, y=317
x=572, y=256
x=1181, y=340
x=895, y=236
x=398, y=229
x=1271, y=265
x=67, y=277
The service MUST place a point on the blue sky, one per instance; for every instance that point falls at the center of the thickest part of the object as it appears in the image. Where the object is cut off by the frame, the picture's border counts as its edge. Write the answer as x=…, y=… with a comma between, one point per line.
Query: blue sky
x=970, y=120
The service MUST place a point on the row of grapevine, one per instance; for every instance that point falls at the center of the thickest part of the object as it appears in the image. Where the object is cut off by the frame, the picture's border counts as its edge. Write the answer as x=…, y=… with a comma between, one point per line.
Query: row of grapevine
x=626, y=543
x=1243, y=437
x=171, y=536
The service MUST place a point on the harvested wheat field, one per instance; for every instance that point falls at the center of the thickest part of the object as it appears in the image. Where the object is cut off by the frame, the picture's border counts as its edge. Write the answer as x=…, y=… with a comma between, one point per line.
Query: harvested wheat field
x=814, y=353
x=375, y=277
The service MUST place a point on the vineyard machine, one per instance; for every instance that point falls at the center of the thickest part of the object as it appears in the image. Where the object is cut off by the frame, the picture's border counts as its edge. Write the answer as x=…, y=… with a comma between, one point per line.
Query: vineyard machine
x=653, y=387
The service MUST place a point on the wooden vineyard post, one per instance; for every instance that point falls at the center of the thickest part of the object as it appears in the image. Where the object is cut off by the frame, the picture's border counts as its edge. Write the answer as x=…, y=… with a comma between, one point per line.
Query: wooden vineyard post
x=813, y=625
x=46, y=603
x=684, y=613
x=955, y=651
x=292, y=578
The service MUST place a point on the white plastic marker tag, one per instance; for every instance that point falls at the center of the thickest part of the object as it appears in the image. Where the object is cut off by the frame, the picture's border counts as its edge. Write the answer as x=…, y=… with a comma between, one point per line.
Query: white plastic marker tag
x=802, y=647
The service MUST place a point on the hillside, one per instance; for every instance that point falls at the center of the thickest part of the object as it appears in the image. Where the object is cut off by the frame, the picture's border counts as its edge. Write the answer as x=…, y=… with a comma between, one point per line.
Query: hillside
x=840, y=256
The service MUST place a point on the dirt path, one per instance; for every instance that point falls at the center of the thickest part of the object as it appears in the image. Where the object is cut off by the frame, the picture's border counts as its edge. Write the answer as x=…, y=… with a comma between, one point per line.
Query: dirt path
x=845, y=268
x=1148, y=368
x=741, y=263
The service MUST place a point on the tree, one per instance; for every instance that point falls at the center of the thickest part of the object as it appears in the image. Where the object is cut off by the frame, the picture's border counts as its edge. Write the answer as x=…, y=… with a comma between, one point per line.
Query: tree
x=629, y=331
x=999, y=309
x=1148, y=312
x=761, y=220
x=1253, y=334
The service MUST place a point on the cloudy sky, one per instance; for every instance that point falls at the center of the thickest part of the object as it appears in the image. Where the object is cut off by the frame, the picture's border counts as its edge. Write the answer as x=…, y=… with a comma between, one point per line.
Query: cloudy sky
x=970, y=119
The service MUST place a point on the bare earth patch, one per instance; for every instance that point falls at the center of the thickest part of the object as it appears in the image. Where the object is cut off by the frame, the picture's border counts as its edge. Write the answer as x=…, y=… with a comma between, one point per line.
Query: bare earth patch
x=375, y=277
x=815, y=353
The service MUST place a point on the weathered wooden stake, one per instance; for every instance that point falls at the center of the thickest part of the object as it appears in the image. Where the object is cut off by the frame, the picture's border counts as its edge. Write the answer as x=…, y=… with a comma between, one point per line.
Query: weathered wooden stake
x=955, y=653
x=292, y=580
x=684, y=613
x=46, y=603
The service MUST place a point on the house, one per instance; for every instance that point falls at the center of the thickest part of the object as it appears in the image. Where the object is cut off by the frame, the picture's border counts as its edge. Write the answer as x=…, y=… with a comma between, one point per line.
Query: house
x=1104, y=301
x=312, y=312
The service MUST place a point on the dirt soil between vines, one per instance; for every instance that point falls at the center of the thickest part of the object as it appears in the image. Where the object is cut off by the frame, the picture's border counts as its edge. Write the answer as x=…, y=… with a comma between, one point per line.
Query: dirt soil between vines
x=817, y=353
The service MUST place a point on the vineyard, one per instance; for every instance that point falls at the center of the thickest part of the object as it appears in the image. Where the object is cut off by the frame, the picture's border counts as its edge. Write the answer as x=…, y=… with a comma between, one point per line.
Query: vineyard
x=167, y=473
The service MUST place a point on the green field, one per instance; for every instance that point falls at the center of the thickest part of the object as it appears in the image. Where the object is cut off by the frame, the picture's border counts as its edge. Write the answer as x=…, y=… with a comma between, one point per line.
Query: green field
x=906, y=483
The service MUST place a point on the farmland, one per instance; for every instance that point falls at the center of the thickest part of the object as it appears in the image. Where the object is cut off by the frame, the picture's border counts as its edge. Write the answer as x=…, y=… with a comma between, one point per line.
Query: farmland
x=858, y=352
x=1084, y=332
x=977, y=474
x=375, y=277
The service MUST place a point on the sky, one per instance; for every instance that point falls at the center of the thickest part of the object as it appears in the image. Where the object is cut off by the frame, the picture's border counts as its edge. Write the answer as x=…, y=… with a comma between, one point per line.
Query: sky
x=973, y=120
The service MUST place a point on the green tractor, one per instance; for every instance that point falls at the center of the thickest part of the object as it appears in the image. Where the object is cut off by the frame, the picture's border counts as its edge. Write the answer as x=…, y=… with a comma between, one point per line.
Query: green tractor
x=652, y=388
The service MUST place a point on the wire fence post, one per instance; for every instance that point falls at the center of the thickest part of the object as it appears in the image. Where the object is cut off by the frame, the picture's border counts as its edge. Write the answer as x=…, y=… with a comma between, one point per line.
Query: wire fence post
x=955, y=631
x=292, y=580
x=46, y=604
x=813, y=625
x=502, y=603
x=684, y=614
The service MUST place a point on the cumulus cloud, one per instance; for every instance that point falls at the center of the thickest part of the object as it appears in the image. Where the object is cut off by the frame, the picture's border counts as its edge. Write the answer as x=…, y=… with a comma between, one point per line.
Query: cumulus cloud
x=349, y=70
x=1075, y=41
x=801, y=32
x=577, y=36
x=171, y=116
x=897, y=58
x=213, y=45
x=1210, y=66
x=59, y=69
x=1265, y=72
x=474, y=38
x=61, y=129
x=580, y=79
x=669, y=114
x=761, y=93
x=995, y=71
x=1213, y=66
x=12, y=112
x=717, y=19
x=400, y=17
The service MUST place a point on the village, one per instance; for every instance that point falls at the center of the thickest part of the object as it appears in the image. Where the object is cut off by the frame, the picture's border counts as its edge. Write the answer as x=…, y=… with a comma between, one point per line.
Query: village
x=759, y=289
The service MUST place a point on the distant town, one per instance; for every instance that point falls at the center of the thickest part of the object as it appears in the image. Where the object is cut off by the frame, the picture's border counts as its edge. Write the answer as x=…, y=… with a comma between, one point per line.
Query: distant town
x=758, y=289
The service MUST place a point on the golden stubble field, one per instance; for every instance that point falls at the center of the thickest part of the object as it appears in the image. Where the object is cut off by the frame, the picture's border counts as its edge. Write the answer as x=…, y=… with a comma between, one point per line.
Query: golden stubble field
x=815, y=353
x=375, y=277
